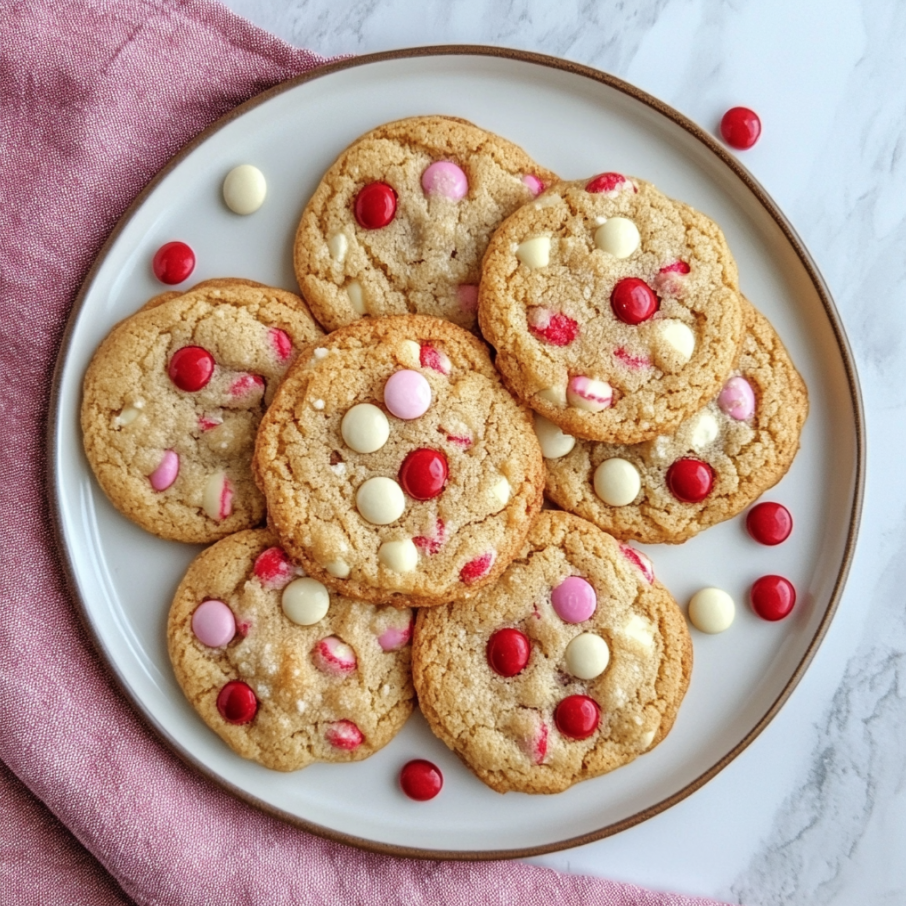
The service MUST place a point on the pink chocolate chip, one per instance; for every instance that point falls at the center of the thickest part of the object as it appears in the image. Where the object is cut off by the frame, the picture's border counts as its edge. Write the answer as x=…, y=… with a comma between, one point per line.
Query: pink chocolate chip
x=446, y=179
x=394, y=637
x=213, y=624
x=165, y=474
x=574, y=600
x=477, y=568
x=639, y=561
x=467, y=294
x=535, y=186
x=432, y=358
x=737, y=399
x=281, y=343
x=407, y=394
x=344, y=734
x=334, y=657
x=273, y=568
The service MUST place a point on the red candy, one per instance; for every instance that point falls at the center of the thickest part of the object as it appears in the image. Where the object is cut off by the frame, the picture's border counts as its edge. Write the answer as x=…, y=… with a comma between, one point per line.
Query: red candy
x=633, y=300
x=173, y=262
x=421, y=780
x=477, y=568
x=508, y=651
x=554, y=328
x=423, y=473
x=344, y=734
x=769, y=523
x=282, y=344
x=273, y=568
x=237, y=703
x=740, y=127
x=772, y=597
x=690, y=480
x=375, y=206
x=577, y=716
x=606, y=182
x=431, y=545
x=191, y=368
x=678, y=267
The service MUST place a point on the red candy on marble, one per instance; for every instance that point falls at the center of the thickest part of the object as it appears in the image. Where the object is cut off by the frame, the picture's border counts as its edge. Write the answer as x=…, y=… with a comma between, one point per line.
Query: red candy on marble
x=421, y=780
x=690, y=480
x=577, y=716
x=191, y=368
x=633, y=300
x=375, y=206
x=508, y=651
x=173, y=262
x=423, y=473
x=772, y=597
x=237, y=703
x=740, y=127
x=769, y=523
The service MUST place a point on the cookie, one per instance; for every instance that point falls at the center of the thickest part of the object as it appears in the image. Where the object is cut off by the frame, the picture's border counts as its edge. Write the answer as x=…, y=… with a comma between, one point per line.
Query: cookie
x=615, y=310
x=283, y=671
x=401, y=220
x=396, y=466
x=572, y=665
x=172, y=400
x=719, y=461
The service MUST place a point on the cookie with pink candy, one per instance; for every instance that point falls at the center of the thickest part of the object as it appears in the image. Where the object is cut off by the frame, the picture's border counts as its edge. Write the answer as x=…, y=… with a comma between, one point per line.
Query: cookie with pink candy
x=397, y=467
x=285, y=672
x=720, y=460
x=573, y=664
x=615, y=311
x=400, y=221
x=172, y=400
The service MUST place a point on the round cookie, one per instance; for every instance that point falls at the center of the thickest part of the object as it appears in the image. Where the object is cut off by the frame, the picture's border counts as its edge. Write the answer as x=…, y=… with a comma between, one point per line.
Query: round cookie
x=739, y=445
x=400, y=221
x=615, y=310
x=396, y=466
x=572, y=665
x=172, y=400
x=284, y=672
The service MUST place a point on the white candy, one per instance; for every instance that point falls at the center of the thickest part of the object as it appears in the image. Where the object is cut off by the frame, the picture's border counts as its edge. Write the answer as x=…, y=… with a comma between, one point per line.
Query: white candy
x=711, y=610
x=639, y=629
x=356, y=297
x=704, y=431
x=380, y=501
x=365, y=428
x=244, y=189
x=126, y=417
x=399, y=556
x=678, y=337
x=305, y=601
x=618, y=236
x=339, y=569
x=587, y=656
x=617, y=482
x=338, y=245
x=555, y=395
x=554, y=443
x=500, y=494
x=535, y=252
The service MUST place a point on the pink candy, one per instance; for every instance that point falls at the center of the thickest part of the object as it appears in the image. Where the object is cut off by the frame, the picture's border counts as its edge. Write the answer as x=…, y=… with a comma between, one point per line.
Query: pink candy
x=467, y=294
x=535, y=186
x=574, y=600
x=344, y=734
x=165, y=474
x=639, y=561
x=334, y=657
x=446, y=179
x=213, y=624
x=737, y=399
x=393, y=637
x=281, y=343
x=407, y=394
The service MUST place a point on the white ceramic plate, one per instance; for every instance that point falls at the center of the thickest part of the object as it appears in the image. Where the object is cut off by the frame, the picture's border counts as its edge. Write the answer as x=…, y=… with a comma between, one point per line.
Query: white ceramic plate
x=577, y=122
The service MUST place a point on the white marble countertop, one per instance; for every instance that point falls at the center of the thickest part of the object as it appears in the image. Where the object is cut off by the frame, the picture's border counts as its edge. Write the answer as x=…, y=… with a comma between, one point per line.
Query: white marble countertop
x=813, y=811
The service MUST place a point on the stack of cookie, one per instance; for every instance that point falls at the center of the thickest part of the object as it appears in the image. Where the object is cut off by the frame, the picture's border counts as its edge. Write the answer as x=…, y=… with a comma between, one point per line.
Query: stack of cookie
x=401, y=466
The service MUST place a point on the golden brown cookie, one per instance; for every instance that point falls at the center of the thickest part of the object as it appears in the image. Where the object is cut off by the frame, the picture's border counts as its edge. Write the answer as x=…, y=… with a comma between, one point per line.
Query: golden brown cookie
x=574, y=663
x=614, y=310
x=284, y=672
x=172, y=400
x=401, y=220
x=396, y=466
x=720, y=459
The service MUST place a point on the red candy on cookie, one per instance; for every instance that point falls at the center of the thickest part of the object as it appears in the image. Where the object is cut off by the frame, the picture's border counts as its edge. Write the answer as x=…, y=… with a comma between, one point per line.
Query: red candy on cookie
x=690, y=480
x=508, y=651
x=633, y=300
x=577, y=716
x=191, y=368
x=237, y=703
x=375, y=206
x=423, y=473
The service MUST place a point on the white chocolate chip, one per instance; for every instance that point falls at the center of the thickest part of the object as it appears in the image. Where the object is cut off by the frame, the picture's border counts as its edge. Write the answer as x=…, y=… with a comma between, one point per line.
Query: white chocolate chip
x=399, y=556
x=535, y=252
x=244, y=189
x=126, y=417
x=555, y=395
x=338, y=245
x=216, y=497
x=339, y=569
x=646, y=739
x=365, y=428
x=679, y=337
x=305, y=601
x=711, y=610
x=640, y=630
x=500, y=494
x=380, y=501
x=617, y=482
x=318, y=404
x=356, y=297
x=618, y=236
x=587, y=656
x=320, y=353
x=705, y=430
x=410, y=354
x=338, y=469
x=554, y=443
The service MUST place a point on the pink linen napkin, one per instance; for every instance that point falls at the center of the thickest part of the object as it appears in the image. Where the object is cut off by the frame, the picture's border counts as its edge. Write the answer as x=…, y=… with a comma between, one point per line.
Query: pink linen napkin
x=95, y=96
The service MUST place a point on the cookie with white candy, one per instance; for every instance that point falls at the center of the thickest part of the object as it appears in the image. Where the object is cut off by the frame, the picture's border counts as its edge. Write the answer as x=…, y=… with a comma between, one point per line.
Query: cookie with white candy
x=574, y=663
x=615, y=311
x=718, y=462
x=400, y=221
x=396, y=466
x=172, y=400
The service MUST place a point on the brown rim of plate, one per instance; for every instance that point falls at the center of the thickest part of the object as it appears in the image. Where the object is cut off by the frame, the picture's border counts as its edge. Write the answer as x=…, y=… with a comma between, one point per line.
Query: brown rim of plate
x=767, y=204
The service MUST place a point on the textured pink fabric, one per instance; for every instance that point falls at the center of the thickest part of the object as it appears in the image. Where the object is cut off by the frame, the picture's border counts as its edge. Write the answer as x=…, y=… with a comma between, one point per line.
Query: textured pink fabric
x=94, y=98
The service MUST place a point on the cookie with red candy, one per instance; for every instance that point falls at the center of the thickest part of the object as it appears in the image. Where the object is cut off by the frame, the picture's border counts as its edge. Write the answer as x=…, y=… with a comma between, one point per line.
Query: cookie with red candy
x=615, y=311
x=285, y=672
x=397, y=467
x=574, y=663
x=172, y=400
x=400, y=221
x=718, y=462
